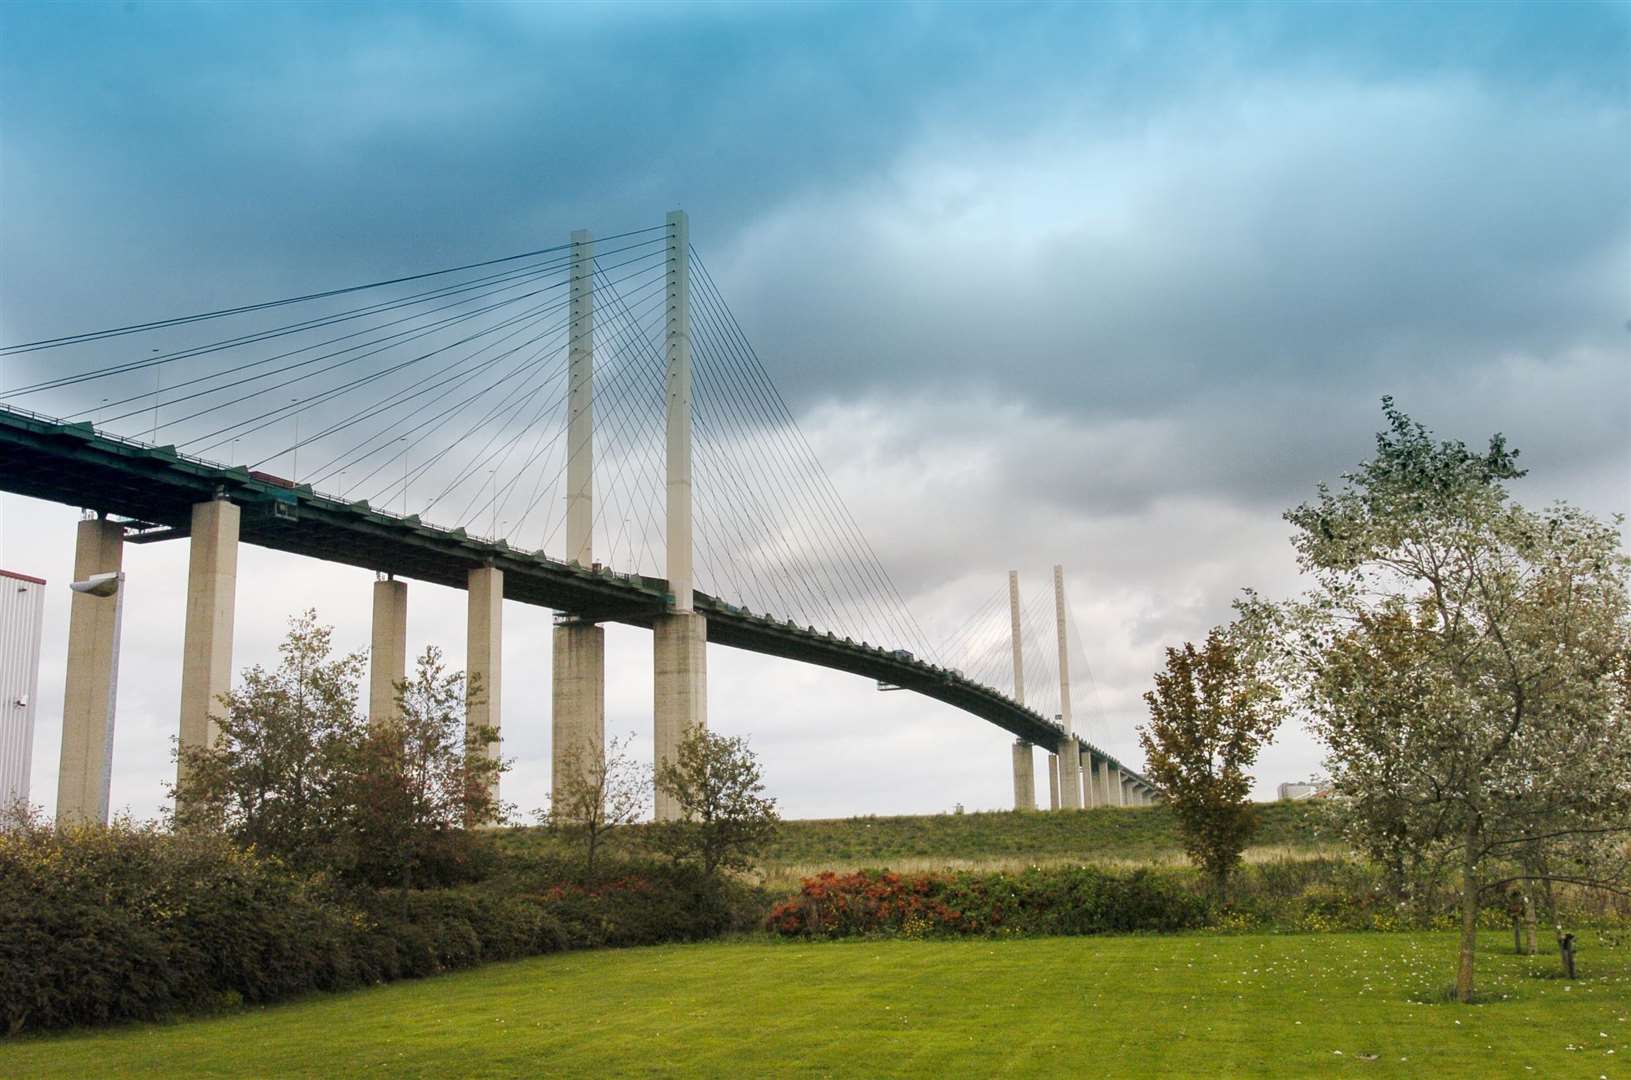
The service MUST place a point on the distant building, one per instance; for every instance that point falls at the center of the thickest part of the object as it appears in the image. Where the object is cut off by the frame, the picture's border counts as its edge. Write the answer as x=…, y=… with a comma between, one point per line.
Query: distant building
x=1298, y=790
x=22, y=616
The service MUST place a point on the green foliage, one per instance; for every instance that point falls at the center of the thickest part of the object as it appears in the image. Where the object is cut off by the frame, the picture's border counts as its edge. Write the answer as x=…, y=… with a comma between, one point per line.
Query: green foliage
x=129, y=922
x=726, y=820
x=297, y=772
x=602, y=791
x=273, y=776
x=1210, y=713
x=1467, y=662
x=416, y=782
x=1080, y=900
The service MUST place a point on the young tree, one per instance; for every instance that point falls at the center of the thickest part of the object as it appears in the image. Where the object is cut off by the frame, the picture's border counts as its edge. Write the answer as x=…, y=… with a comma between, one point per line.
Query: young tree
x=272, y=777
x=1465, y=664
x=420, y=780
x=726, y=818
x=1211, y=711
x=603, y=790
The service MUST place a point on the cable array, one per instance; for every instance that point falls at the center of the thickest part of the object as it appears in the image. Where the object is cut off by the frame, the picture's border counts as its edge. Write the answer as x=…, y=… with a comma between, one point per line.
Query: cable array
x=982, y=649
x=444, y=394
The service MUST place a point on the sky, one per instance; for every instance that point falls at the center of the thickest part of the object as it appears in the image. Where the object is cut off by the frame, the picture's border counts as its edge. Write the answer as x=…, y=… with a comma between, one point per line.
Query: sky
x=1107, y=286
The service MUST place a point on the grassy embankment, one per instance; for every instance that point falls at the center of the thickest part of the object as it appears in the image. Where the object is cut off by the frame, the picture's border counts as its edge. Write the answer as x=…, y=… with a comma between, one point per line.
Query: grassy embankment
x=1189, y=1005
x=1144, y=836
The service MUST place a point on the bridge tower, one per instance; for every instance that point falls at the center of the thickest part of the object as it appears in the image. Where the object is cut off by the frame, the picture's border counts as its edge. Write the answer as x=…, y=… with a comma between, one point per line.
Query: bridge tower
x=1070, y=770
x=578, y=659
x=680, y=635
x=1024, y=762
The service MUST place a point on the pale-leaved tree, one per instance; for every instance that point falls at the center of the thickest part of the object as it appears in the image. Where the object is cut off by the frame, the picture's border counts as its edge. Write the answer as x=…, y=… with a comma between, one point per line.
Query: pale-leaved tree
x=1464, y=660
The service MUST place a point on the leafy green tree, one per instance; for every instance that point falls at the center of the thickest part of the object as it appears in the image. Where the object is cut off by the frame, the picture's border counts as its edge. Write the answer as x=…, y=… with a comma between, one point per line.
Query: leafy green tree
x=1211, y=711
x=603, y=789
x=420, y=780
x=273, y=775
x=726, y=819
x=1464, y=660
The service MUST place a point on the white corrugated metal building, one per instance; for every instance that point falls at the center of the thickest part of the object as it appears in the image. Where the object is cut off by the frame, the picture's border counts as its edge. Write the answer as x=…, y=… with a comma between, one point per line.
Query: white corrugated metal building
x=22, y=618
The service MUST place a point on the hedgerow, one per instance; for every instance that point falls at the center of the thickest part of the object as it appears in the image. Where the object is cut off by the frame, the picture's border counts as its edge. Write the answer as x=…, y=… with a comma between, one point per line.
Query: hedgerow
x=129, y=922
x=1080, y=900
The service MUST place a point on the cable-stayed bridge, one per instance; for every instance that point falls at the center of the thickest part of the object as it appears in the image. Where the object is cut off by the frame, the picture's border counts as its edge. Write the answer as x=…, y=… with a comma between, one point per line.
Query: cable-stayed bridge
x=583, y=427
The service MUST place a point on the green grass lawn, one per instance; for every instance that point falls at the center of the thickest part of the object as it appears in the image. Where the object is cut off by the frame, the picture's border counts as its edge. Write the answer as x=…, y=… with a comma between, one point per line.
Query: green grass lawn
x=1260, y=1005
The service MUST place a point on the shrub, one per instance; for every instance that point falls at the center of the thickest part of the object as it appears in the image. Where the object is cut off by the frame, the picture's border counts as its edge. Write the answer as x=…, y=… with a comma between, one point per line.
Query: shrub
x=1038, y=901
x=129, y=923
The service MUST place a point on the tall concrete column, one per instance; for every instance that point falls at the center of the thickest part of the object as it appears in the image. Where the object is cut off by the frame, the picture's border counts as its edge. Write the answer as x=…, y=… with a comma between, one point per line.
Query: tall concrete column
x=680, y=654
x=578, y=655
x=578, y=719
x=1024, y=762
x=1013, y=622
x=1070, y=774
x=212, y=587
x=388, y=650
x=1114, y=794
x=85, y=769
x=1070, y=771
x=1024, y=776
x=677, y=345
x=580, y=424
x=1090, y=791
x=484, y=655
x=1101, y=782
x=680, y=637
x=1053, y=781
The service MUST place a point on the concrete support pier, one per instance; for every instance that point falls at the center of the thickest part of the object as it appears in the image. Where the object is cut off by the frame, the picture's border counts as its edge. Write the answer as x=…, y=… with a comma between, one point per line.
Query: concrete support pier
x=85, y=768
x=212, y=585
x=680, y=655
x=1053, y=781
x=578, y=692
x=1070, y=774
x=484, y=655
x=1116, y=789
x=1024, y=776
x=388, y=651
x=1099, y=778
x=1090, y=793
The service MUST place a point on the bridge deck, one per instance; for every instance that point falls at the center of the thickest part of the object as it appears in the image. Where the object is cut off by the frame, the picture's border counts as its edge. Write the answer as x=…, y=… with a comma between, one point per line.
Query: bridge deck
x=156, y=487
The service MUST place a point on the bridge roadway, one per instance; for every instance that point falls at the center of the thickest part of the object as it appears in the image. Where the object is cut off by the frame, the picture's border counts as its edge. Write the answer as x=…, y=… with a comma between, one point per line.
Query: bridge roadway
x=155, y=487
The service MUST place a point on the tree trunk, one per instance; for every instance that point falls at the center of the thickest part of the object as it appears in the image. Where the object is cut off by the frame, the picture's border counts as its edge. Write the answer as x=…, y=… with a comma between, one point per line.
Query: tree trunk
x=1469, y=920
x=1531, y=944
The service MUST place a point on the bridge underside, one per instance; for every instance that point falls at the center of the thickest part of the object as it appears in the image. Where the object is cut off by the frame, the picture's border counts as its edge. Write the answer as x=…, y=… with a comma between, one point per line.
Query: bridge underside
x=155, y=488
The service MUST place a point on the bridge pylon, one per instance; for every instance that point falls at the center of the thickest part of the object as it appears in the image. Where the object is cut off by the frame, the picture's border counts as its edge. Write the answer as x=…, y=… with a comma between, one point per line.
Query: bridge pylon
x=578, y=649
x=1024, y=760
x=1070, y=769
x=680, y=635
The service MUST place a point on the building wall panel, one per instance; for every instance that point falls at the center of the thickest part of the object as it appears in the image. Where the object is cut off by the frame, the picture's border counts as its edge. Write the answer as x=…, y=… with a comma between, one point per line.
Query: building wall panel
x=22, y=619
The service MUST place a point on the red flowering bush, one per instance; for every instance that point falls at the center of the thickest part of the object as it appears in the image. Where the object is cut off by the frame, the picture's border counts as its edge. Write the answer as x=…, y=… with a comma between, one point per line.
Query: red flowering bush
x=1050, y=901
